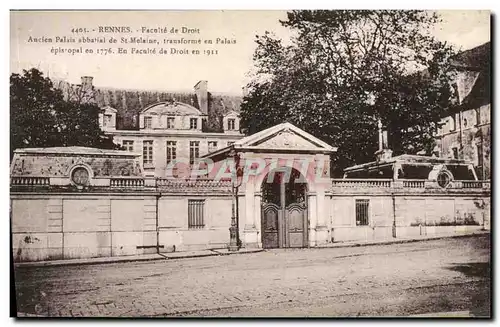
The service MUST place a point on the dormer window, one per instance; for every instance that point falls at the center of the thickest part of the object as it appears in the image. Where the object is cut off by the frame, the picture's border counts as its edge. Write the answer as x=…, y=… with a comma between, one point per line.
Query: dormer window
x=170, y=122
x=231, y=124
x=193, y=123
x=212, y=146
x=107, y=120
x=148, y=122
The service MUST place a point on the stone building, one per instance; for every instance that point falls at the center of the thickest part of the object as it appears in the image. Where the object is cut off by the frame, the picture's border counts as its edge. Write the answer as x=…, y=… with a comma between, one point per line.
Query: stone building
x=81, y=202
x=466, y=132
x=163, y=126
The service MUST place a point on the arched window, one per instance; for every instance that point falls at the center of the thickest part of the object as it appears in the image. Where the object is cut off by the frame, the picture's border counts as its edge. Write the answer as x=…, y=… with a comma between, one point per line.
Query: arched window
x=478, y=116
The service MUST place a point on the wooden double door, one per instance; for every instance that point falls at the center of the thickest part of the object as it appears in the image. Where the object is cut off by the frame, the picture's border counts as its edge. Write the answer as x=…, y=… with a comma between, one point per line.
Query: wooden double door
x=284, y=212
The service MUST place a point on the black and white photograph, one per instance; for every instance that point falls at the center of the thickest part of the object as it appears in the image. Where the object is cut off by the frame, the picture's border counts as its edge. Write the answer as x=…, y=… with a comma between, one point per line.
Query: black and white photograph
x=291, y=163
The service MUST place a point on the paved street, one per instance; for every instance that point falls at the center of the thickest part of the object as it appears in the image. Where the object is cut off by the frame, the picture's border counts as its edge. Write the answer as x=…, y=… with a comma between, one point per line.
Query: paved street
x=388, y=280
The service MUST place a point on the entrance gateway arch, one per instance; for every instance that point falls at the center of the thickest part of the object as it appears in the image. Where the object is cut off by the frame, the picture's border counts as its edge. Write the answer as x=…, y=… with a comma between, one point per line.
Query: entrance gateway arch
x=284, y=210
x=282, y=204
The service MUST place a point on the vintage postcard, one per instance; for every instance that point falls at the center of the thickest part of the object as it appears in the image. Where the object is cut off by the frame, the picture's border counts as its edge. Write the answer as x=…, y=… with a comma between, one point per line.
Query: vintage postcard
x=300, y=163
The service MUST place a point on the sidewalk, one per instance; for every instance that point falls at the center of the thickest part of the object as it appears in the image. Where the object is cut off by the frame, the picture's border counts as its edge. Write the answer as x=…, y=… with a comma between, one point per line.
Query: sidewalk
x=400, y=240
x=450, y=314
x=219, y=252
x=134, y=258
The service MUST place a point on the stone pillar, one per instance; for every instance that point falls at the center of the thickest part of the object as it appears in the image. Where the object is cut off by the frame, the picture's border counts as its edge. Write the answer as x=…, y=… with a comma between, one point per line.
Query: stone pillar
x=257, y=217
x=321, y=213
x=250, y=230
x=312, y=215
x=397, y=167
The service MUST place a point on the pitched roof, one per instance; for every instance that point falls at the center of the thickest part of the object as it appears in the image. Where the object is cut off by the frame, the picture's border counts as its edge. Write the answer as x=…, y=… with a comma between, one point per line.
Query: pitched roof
x=172, y=107
x=477, y=59
x=407, y=159
x=129, y=102
x=59, y=162
x=301, y=140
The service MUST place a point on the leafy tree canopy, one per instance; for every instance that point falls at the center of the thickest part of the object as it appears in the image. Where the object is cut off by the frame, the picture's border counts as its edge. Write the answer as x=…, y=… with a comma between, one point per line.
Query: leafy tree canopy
x=40, y=117
x=343, y=70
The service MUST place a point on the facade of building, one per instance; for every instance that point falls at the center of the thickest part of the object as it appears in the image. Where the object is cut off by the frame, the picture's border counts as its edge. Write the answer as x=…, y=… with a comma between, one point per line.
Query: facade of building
x=170, y=132
x=466, y=132
x=78, y=202
x=163, y=127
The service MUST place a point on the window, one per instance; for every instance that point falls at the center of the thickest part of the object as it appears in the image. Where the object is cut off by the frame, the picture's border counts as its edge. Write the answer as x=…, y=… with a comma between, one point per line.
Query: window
x=230, y=143
x=231, y=124
x=455, y=152
x=107, y=120
x=194, y=151
x=195, y=214
x=478, y=116
x=80, y=176
x=170, y=122
x=193, y=123
x=362, y=212
x=212, y=146
x=128, y=145
x=479, y=150
x=443, y=179
x=148, y=122
x=452, y=124
x=465, y=122
x=171, y=151
x=147, y=153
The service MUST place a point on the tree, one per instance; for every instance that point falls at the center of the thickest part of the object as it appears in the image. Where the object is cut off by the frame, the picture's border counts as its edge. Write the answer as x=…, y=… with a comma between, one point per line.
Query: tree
x=40, y=117
x=343, y=70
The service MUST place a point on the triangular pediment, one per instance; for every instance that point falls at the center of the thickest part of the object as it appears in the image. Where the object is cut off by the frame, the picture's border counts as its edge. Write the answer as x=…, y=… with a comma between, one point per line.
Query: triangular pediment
x=284, y=136
x=285, y=139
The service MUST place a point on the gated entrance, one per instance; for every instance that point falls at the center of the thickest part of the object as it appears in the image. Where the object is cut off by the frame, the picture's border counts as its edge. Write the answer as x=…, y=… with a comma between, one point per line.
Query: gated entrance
x=284, y=210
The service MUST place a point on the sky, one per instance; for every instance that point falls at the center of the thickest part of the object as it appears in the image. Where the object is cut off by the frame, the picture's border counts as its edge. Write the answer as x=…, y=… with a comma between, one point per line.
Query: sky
x=226, y=71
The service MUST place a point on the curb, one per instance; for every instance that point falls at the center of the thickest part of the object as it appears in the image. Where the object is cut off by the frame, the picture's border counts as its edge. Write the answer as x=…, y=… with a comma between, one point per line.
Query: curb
x=76, y=262
x=444, y=314
x=37, y=264
x=212, y=254
x=401, y=241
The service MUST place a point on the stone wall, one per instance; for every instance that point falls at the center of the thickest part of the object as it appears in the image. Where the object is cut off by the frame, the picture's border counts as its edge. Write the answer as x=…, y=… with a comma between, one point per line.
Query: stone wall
x=68, y=226
x=50, y=224
x=402, y=213
x=58, y=165
x=173, y=223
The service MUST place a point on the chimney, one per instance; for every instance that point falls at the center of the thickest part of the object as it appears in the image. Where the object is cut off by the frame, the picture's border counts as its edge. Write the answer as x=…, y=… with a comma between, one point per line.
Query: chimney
x=87, y=83
x=86, y=94
x=201, y=91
